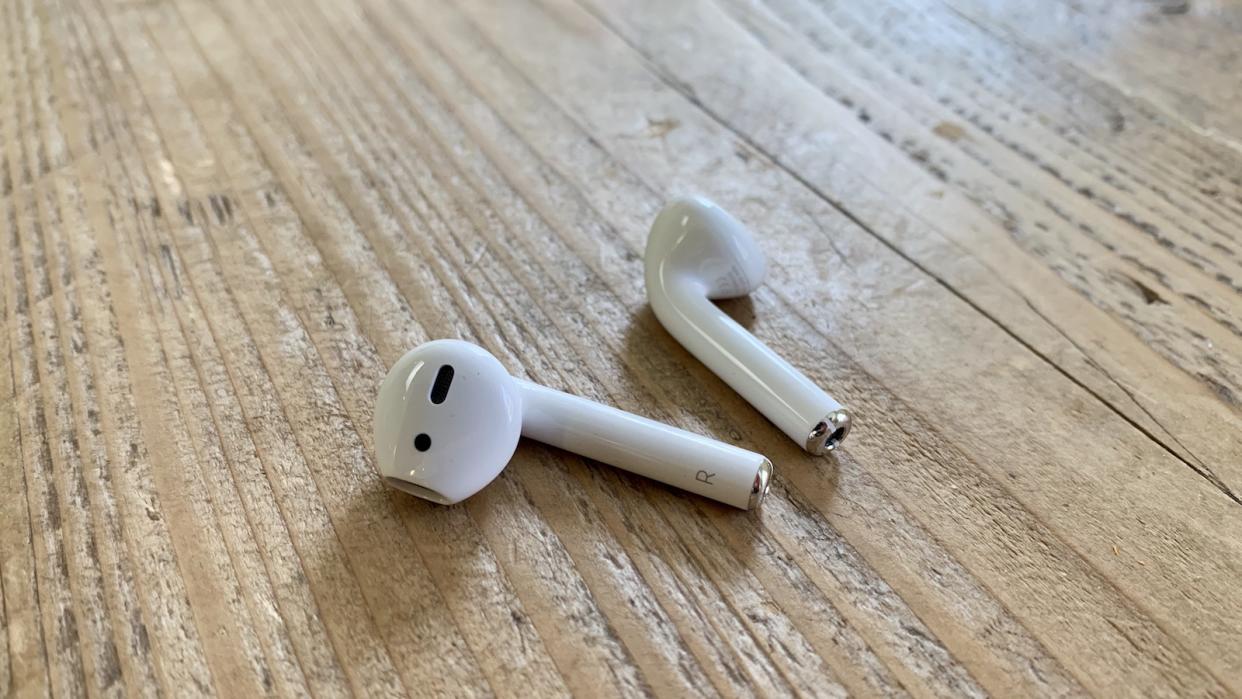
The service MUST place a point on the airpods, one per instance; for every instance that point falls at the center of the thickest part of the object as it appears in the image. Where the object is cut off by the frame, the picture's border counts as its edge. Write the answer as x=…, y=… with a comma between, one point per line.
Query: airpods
x=449, y=417
x=697, y=252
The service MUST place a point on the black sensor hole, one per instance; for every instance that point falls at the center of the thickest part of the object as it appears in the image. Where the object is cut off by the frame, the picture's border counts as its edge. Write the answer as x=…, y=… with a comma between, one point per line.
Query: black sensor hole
x=836, y=437
x=440, y=387
x=422, y=442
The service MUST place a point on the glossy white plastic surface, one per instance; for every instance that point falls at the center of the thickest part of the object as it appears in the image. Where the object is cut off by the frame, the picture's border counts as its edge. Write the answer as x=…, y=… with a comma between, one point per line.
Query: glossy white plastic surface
x=697, y=252
x=468, y=438
x=662, y=452
x=472, y=434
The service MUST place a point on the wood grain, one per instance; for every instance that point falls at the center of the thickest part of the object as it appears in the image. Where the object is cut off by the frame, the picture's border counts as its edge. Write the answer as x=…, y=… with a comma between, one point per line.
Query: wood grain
x=1006, y=237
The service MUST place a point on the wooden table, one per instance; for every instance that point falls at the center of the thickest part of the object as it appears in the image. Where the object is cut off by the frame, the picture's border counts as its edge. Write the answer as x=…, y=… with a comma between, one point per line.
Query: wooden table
x=1006, y=234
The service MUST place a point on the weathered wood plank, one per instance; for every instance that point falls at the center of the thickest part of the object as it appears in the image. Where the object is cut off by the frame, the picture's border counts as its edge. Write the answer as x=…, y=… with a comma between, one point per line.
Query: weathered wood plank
x=1179, y=55
x=224, y=221
x=560, y=71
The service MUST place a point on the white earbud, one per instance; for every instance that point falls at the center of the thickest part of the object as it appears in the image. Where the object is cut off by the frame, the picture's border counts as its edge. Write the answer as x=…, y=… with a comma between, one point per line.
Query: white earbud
x=449, y=416
x=698, y=252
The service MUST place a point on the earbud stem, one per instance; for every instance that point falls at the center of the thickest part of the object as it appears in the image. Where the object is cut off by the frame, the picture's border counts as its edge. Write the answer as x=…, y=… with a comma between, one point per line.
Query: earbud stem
x=661, y=452
x=802, y=410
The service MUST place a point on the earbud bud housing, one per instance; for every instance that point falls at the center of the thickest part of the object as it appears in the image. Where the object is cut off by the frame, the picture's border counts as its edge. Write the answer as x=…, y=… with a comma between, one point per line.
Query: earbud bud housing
x=471, y=434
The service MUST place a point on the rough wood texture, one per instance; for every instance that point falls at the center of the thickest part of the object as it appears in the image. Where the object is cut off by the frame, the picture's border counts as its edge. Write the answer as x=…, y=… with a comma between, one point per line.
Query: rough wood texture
x=1005, y=234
